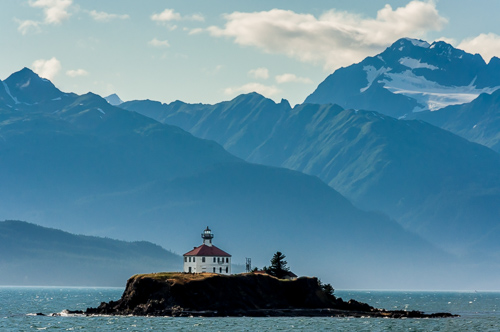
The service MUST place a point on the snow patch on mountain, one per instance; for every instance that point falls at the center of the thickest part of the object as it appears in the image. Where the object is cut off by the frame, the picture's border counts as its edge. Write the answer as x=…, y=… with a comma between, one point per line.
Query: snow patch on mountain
x=419, y=43
x=372, y=73
x=415, y=63
x=8, y=92
x=25, y=85
x=431, y=95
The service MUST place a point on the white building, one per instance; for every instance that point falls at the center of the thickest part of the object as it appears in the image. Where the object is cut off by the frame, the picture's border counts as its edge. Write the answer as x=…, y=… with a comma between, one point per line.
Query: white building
x=207, y=257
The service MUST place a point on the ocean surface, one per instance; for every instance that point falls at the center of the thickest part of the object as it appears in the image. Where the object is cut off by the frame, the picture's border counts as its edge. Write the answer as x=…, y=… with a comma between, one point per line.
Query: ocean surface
x=480, y=311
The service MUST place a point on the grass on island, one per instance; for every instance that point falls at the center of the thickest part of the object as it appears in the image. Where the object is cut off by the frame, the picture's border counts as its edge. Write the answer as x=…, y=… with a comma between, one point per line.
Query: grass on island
x=178, y=277
x=182, y=277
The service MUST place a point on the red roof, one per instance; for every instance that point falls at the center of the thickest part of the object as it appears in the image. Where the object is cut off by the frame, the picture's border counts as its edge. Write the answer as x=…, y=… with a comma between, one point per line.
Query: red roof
x=205, y=250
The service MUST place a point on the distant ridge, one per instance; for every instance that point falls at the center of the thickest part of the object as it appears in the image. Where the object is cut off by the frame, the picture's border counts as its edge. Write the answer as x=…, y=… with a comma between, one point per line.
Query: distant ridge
x=477, y=121
x=35, y=255
x=113, y=99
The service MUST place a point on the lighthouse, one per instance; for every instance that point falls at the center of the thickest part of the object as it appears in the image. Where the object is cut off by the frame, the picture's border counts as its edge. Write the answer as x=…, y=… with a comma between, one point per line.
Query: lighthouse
x=207, y=237
x=207, y=257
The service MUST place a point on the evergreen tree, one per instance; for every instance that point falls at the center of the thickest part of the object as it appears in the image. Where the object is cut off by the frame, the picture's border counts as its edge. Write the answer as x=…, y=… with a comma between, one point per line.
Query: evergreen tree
x=328, y=289
x=278, y=266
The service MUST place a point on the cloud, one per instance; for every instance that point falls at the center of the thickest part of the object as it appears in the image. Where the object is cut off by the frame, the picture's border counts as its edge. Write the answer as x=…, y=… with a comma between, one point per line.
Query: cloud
x=55, y=11
x=159, y=43
x=170, y=15
x=259, y=73
x=47, y=68
x=334, y=39
x=447, y=40
x=196, y=17
x=28, y=25
x=292, y=78
x=488, y=45
x=77, y=72
x=106, y=17
x=166, y=15
x=195, y=31
x=265, y=90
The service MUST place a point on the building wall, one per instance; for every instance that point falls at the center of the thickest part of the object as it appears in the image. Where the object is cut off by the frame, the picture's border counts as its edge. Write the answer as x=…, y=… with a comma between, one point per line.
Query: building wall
x=198, y=266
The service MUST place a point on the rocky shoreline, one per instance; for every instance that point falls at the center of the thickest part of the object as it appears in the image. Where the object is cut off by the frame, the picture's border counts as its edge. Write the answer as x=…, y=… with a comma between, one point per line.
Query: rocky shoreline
x=250, y=295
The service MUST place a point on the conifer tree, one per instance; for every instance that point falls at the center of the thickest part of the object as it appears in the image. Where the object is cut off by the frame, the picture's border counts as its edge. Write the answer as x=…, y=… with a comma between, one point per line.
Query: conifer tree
x=278, y=266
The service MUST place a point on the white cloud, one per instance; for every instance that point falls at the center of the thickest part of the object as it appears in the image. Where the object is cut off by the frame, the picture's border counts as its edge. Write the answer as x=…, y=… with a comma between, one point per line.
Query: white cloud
x=166, y=15
x=77, y=72
x=55, y=11
x=488, y=45
x=196, y=17
x=170, y=15
x=28, y=25
x=335, y=38
x=159, y=43
x=292, y=78
x=450, y=41
x=47, y=68
x=106, y=17
x=265, y=90
x=259, y=73
x=196, y=31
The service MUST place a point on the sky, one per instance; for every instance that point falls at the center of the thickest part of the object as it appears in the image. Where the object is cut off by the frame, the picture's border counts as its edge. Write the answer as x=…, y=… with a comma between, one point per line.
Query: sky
x=201, y=51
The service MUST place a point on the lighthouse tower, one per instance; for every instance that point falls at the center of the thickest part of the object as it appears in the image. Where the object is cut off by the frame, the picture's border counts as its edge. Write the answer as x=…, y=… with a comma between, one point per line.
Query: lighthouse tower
x=207, y=237
x=207, y=257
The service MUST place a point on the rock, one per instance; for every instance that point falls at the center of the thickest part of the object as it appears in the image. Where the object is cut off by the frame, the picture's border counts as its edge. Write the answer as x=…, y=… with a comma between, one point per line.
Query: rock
x=211, y=295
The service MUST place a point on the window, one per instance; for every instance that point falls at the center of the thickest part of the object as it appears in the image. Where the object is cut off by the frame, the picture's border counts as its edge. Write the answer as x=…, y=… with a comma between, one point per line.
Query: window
x=203, y=259
x=227, y=269
x=215, y=260
x=220, y=269
x=194, y=259
x=214, y=269
x=190, y=269
x=227, y=260
x=185, y=259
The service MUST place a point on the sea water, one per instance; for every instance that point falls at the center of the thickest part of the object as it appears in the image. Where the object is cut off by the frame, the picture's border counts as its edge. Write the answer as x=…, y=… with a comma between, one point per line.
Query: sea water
x=480, y=311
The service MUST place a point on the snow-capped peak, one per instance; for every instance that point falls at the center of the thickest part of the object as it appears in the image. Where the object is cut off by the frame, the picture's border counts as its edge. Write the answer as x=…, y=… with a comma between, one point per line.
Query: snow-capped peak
x=418, y=42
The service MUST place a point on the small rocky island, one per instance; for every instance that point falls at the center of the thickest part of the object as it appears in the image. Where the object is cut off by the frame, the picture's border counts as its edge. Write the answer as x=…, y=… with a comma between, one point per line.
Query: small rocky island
x=248, y=294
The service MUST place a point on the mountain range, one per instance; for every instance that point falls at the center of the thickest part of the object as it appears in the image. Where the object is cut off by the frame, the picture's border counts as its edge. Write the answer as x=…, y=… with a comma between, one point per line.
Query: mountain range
x=410, y=76
x=431, y=181
x=396, y=134
x=77, y=163
x=477, y=121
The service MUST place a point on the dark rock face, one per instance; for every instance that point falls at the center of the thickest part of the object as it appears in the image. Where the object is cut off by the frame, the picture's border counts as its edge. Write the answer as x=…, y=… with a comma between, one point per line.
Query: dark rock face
x=237, y=295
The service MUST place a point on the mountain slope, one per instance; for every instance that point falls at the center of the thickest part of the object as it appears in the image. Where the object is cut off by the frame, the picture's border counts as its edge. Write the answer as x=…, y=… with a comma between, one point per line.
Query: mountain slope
x=85, y=166
x=113, y=99
x=35, y=255
x=433, y=182
x=477, y=121
x=409, y=76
